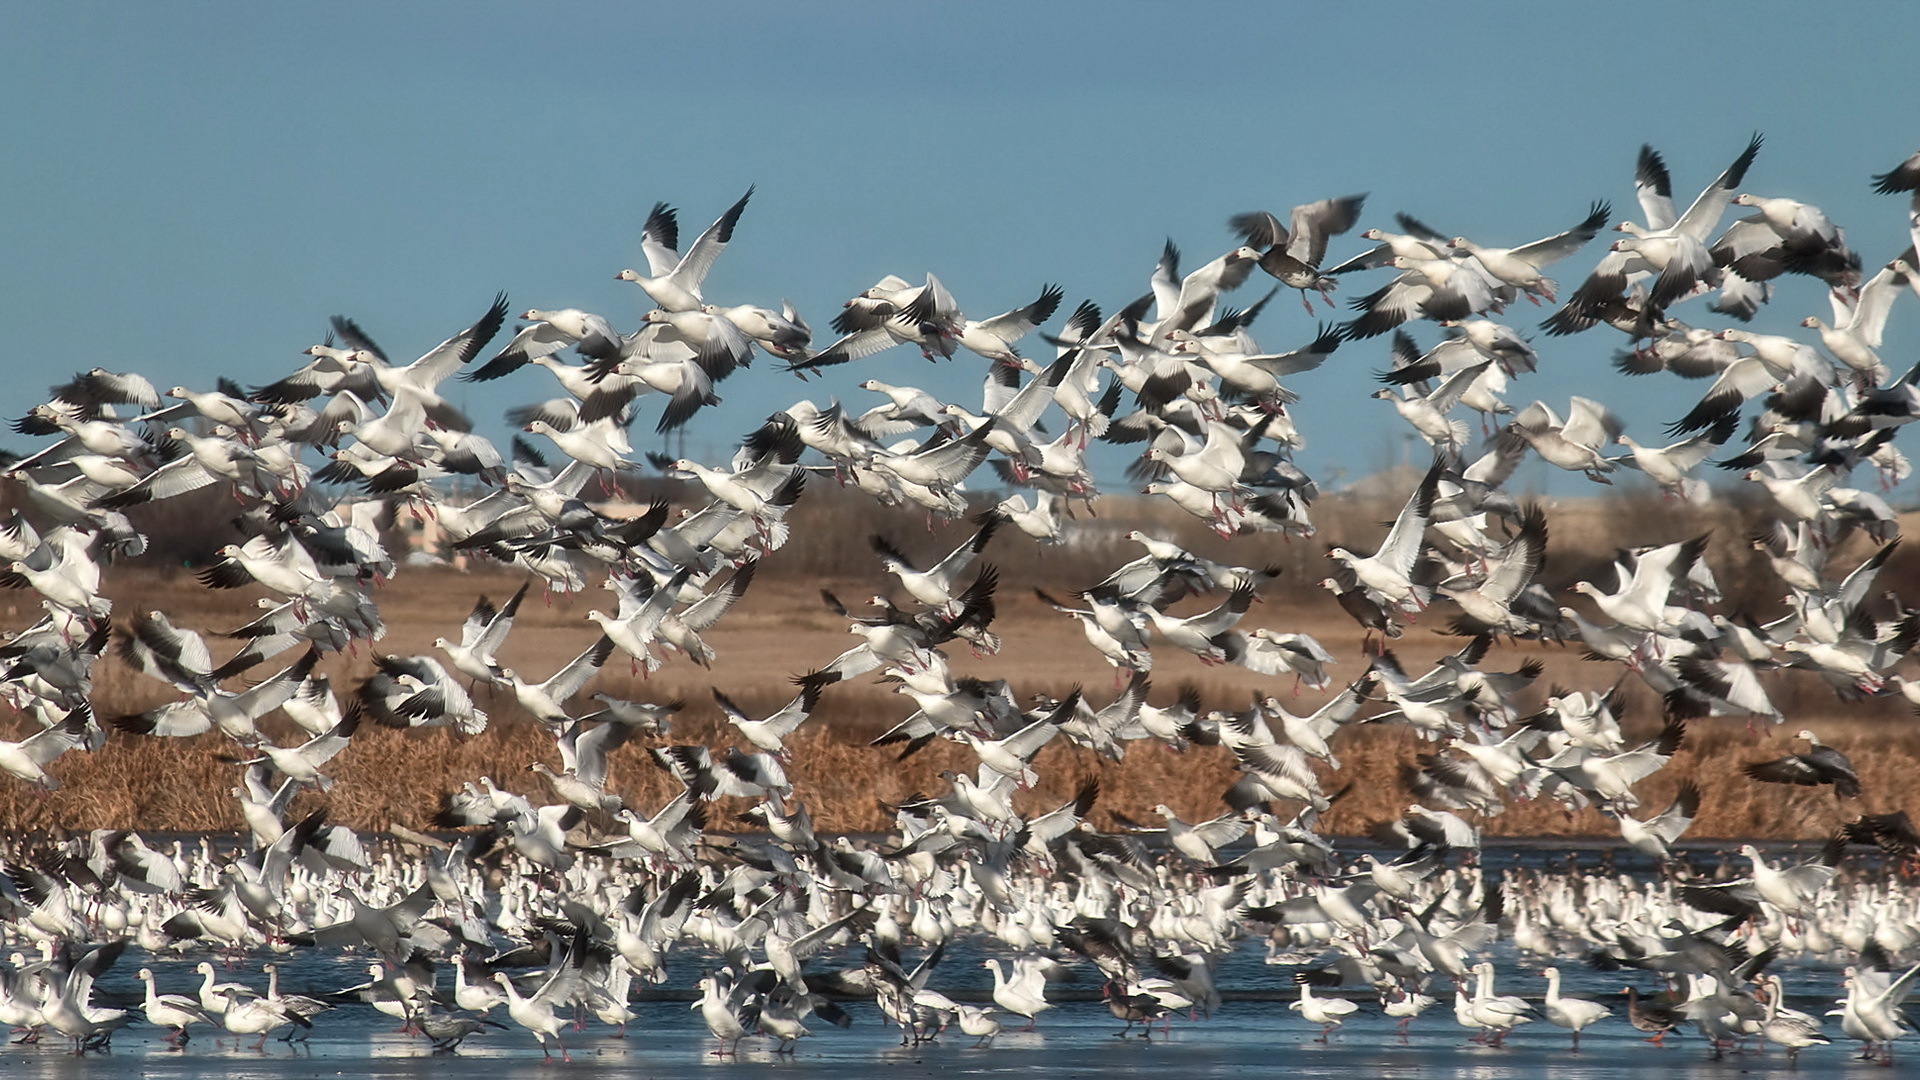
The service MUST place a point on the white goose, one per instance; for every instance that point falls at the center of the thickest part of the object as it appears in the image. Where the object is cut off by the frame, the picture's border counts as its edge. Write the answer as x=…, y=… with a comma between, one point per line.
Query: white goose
x=1574, y=1014
x=1329, y=1013
x=174, y=1011
x=676, y=279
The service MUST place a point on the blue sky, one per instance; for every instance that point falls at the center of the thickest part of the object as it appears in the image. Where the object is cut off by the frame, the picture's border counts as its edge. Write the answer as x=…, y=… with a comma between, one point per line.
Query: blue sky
x=194, y=188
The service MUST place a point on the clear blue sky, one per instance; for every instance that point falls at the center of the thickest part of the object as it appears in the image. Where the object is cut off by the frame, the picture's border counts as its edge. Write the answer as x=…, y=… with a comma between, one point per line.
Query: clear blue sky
x=192, y=188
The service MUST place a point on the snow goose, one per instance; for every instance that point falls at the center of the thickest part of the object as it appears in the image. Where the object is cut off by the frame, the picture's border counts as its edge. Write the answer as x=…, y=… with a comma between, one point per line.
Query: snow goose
x=1575, y=444
x=1496, y=1014
x=1670, y=466
x=1116, y=628
x=413, y=691
x=1329, y=1013
x=1257, y=375
x=302, y=763
x=1197, y=841
x=548, y=333
x=68, y=1006
x=1273, y=652
x=781, y=333
x=730, y=1007
x=1572, y=1013
x=673, y=280
x=1427, y=413
x=670, y=833
x=1042, y=521
x=1388, y=572
x=1654, y=835
x=1610, y=777
x=1671, y=248
x=481, y=635
x=28, y=758
x=1010, y=756
x=994, y=338
x=769, y=733
x=1021, y=988
x=1793, y=889
x=1419, y=241
x=419, y=378
x=174, y=1011
x=1858, y=324
x=1520, y=266
x=940, y=465
x=546, y=701
x=1488, y=601
x=1443, y=289
x=233, y=714
x=1871, y=1011
x=1783, y=1028
x=738, y=775
x=890, y=313
x=1293, y=252
x=1202, y=634
x=599, y=443
x=934, y=585
x=1641, y=601
x=1820, y=765
x=535, y=1011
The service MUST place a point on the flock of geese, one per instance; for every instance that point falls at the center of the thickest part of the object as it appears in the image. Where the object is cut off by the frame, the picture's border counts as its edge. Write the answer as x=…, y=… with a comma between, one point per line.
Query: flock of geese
x=551, y=909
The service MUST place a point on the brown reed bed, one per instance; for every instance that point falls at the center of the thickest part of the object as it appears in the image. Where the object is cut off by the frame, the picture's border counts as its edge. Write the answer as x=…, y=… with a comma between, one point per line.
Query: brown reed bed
x=782, y=628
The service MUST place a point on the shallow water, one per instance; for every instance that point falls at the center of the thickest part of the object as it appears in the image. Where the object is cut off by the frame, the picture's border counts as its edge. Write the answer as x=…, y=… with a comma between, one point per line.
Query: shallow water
x=1075, y=1040
x=1253, y=1031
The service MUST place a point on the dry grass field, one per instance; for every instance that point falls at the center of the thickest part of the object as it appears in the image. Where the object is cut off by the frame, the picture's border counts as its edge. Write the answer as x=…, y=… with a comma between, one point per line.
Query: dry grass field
x=781, y=628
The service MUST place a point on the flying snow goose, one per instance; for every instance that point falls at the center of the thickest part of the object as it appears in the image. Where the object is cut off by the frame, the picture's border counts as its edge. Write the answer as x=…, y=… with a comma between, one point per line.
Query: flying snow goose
x=481, y=635
x=434, y=366
x=781, y=333
x=770, y=732
x=1610, y=777
x=1641, y=602
x=1575, y=444
x=738, y=775
x=1388, y=572
x=1655, y=835
x=548, y=332
x=28, y=758
x=1820, y=765
x=1671, y=248
x=1858, y=325
x=1428, y=412
x=1520, y=266
x=302, y=763
x=934, y=586
x=1670, y=466
x=1488, y=601
x=673, y=280
x=1293, y=252
x=994, y=338
x=546, y=701
x=1011, y=756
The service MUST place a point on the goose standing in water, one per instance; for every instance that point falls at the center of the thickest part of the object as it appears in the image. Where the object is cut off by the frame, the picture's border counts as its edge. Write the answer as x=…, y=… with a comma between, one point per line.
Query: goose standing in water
x=1329, y=1013
x=1021, y=990
x=1572, y=1013
x=174, y=1011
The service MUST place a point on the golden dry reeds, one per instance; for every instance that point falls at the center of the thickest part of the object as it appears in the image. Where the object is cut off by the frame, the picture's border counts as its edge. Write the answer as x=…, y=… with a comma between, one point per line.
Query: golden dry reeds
x=781, y=629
